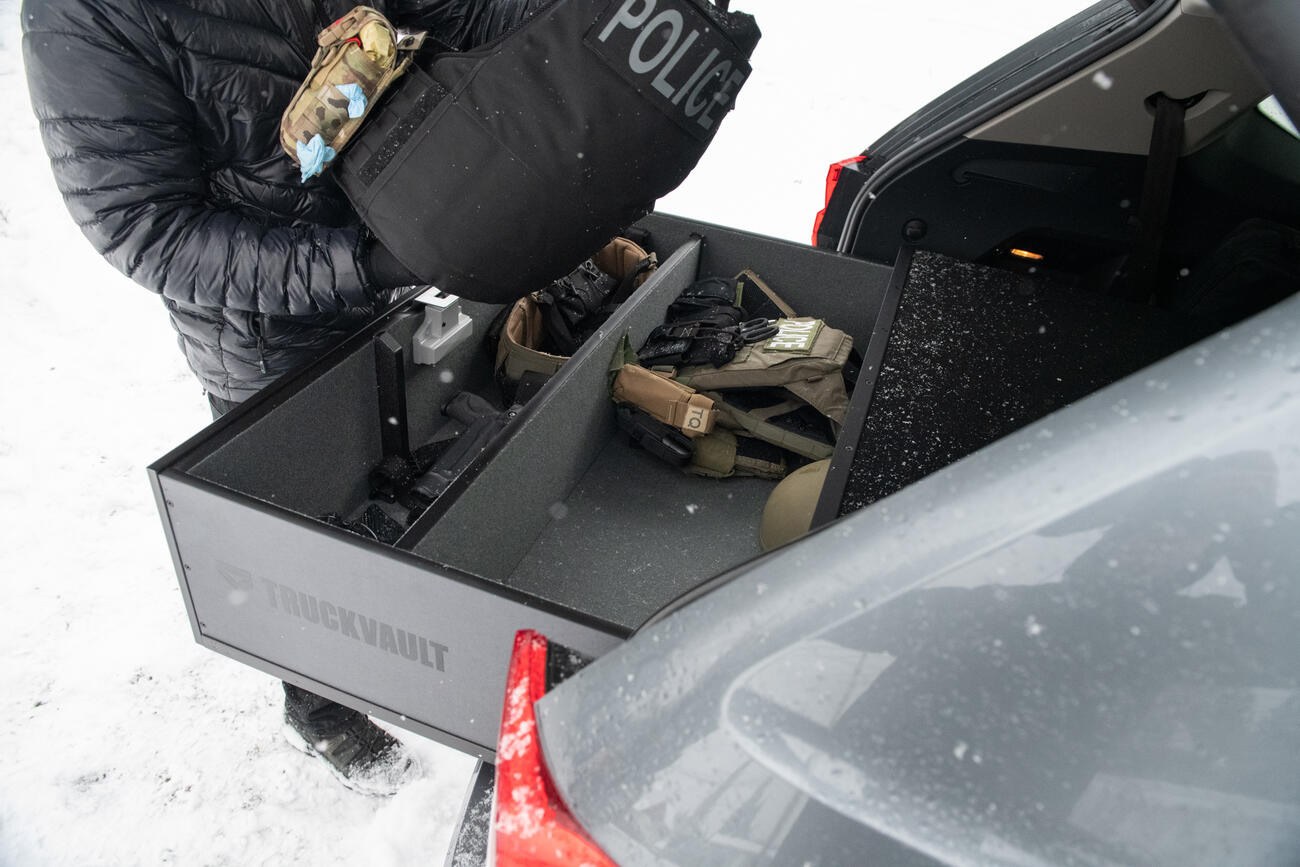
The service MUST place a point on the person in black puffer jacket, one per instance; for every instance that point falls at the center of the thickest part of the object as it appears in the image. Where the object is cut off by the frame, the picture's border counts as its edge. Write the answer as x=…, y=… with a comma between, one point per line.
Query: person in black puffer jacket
x=161, y=120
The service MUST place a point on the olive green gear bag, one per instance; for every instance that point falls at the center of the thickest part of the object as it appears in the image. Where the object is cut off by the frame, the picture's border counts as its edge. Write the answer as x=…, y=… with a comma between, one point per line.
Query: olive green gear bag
x=806, y=358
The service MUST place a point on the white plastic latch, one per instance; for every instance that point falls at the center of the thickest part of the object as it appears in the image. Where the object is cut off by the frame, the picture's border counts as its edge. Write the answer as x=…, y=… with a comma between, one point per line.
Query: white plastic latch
x=445, y=327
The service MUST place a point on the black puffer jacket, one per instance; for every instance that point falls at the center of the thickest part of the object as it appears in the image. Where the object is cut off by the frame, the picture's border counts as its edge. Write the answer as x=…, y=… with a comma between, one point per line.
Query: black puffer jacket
x=161, y=120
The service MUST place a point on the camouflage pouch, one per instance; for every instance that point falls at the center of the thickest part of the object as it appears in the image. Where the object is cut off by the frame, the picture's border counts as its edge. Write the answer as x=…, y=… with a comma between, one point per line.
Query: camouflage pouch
x=358, y=58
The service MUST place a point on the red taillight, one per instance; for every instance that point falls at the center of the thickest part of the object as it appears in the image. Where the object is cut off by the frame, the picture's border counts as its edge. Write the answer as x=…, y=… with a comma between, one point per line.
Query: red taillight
x=832, y=178
x=532, y=827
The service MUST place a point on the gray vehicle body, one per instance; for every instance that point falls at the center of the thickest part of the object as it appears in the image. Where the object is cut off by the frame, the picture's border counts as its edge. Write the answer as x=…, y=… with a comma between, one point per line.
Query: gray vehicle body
x=1078, y=645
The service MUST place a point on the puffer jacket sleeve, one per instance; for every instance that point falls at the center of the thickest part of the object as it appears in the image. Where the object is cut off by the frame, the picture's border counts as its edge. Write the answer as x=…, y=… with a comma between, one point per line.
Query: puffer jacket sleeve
x=120, y=137
x=465, y=23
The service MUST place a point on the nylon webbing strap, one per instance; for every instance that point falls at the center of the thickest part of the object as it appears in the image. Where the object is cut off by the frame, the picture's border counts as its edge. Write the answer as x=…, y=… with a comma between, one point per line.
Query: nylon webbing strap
x=723, y=454
x=749, y=276
x=767, y=413
x=762, y=429
x=1157, y=193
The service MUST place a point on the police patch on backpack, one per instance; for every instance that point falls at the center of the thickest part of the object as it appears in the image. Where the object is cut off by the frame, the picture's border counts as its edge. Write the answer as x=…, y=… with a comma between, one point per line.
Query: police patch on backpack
x=556, y=136
x=358, y=57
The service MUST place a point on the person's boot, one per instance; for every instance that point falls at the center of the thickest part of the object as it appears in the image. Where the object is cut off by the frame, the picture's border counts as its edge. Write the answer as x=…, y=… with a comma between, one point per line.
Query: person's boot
x=364, y=757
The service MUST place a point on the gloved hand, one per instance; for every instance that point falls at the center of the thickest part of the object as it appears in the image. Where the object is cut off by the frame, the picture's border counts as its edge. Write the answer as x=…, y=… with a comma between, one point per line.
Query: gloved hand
x=385, y=272
x=568, y=303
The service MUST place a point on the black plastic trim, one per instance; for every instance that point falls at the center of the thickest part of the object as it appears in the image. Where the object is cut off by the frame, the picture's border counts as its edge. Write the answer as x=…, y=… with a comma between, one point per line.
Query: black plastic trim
x=562, y=663
x=469, y=843
x=837, y=477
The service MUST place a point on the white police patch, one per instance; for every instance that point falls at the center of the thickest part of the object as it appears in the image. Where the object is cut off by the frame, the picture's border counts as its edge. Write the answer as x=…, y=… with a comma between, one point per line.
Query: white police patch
x=794, y=335
x=674, y=55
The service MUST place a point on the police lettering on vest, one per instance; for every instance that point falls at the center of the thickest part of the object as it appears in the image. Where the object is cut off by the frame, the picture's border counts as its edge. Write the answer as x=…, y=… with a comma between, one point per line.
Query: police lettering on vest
x=669, y=51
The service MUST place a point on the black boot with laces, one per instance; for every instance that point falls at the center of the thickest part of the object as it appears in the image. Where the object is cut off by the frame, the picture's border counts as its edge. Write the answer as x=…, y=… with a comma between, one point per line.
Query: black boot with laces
x=363, y=756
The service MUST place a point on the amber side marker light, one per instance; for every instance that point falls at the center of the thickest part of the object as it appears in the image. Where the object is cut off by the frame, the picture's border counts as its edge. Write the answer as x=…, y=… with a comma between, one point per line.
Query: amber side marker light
x=1026, y=254
x=531, y=826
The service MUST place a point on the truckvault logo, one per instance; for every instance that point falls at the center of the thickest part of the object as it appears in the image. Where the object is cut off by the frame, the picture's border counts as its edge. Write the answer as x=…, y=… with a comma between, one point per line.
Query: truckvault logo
x=691, y=68
x=336, y=618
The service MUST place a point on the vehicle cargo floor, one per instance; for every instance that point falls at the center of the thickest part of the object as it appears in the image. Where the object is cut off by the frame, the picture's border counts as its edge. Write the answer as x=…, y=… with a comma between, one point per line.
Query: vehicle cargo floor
x=975, y=353
x=635, y=533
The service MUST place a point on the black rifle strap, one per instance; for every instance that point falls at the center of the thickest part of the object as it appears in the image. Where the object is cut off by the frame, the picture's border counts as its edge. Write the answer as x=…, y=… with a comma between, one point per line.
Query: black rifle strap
x=1135, y=281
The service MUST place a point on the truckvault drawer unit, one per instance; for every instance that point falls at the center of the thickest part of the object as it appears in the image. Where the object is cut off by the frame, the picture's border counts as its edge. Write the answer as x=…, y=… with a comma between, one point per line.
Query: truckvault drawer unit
x=560, y=525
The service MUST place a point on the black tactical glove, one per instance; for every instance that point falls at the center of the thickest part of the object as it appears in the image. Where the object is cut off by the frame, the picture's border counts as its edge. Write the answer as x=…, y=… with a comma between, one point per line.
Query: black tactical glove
x=705, y=325
x=702, y=296
x=706, y=336
x=385, y=272
x=569, y=306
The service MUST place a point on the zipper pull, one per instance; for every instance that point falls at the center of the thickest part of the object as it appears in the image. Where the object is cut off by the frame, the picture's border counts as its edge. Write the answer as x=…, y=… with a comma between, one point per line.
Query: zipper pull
x=261, y=353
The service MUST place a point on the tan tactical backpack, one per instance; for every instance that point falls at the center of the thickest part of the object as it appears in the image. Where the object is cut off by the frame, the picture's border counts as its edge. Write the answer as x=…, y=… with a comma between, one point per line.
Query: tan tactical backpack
x=358, y=58
x=520, y=349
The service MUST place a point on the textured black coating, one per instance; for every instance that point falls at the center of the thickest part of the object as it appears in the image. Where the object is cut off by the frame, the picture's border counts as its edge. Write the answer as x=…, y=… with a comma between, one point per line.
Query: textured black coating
x=976, y=353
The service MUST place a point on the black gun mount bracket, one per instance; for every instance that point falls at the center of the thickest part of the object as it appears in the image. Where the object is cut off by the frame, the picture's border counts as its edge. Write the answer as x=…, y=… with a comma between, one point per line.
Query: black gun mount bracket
x=390, y=385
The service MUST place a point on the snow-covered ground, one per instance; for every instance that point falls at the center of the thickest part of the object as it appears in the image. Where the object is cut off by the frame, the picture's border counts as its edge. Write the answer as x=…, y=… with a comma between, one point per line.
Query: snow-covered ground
x=121, y=741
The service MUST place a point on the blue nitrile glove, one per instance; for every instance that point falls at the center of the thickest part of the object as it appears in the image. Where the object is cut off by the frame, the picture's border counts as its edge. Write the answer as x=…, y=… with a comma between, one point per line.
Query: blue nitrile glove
x=313, y=156
x=356, y=99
